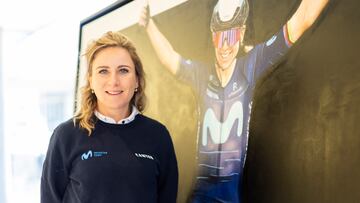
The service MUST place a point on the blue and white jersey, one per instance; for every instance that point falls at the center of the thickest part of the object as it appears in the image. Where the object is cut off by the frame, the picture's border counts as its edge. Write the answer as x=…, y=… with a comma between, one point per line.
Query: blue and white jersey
x=224, y=115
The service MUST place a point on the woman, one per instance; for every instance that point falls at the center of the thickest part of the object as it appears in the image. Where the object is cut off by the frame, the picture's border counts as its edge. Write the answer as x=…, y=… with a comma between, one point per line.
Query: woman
x=110, y=152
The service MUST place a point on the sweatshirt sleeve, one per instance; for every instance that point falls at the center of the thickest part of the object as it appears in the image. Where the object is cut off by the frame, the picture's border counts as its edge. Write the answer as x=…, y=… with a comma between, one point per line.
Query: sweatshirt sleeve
x=168, y=179
x=54, y=177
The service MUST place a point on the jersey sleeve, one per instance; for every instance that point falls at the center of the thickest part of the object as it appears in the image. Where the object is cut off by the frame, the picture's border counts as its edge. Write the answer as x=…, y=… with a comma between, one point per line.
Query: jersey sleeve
x=168, y=178
x=54, y=177
x=192, y=73
x=266, y=54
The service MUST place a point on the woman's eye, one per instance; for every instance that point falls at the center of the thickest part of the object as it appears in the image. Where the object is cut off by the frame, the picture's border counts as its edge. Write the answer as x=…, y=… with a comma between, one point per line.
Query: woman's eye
x=124, y=70
x=103, y=71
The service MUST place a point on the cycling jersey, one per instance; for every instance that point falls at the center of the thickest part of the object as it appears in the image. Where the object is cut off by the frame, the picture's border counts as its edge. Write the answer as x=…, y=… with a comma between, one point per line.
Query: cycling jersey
x=224, y=115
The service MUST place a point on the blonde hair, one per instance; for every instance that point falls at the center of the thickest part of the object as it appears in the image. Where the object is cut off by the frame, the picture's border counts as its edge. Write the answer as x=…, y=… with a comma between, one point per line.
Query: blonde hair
x=85, y=116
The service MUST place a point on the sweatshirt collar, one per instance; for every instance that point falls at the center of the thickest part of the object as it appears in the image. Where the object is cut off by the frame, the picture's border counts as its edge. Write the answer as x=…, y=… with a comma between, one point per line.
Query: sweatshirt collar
x=127, y=120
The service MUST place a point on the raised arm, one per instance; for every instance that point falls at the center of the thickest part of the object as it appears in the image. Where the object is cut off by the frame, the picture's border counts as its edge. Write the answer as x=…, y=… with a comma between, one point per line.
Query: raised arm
x=304, y=17
x=164, y=50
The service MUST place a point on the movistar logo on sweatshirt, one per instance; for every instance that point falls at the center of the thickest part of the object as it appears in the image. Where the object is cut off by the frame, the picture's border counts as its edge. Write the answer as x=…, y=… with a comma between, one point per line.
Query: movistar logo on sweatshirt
x=90, y=154
x=86, y=155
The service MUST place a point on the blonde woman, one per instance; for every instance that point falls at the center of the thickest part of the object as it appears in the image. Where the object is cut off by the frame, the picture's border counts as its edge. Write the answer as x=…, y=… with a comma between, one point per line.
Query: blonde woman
x=110, y=152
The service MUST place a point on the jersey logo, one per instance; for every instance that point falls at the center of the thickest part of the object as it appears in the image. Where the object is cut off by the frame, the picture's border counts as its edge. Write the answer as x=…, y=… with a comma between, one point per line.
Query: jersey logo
x=146, y=156
x=211, y=94
x=89, y=154
x=86, y=155
x=235, y=86
x=271, y=40
x=220, y=131
x=213, y=80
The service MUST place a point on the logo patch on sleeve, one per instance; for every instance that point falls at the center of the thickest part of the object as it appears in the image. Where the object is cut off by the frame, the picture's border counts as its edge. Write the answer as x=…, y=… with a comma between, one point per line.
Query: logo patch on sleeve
x=271, y=40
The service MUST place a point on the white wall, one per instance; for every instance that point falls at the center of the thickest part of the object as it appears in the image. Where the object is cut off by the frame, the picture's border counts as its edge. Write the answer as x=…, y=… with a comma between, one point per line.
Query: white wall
x=37, y=80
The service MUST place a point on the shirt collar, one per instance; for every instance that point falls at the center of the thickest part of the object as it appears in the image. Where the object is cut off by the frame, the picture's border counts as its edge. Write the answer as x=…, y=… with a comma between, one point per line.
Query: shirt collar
x=127, y=120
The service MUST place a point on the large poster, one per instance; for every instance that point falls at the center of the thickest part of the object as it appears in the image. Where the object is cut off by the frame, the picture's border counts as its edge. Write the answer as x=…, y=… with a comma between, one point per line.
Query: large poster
x=202, y=64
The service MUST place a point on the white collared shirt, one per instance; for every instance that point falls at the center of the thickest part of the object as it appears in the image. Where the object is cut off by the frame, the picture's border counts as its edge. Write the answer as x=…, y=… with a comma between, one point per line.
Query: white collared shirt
x=127, y=120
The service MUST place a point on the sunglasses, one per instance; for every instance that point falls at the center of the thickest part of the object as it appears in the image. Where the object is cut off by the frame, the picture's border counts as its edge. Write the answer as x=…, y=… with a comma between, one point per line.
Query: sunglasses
x=231, y=37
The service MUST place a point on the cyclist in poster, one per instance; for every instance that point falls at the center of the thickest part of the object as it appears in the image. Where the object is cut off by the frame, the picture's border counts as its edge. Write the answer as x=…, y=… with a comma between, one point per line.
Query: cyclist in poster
x=225, y=89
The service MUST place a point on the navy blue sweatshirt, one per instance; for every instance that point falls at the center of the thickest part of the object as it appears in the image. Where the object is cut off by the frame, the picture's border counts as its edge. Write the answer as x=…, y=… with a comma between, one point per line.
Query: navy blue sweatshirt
x=131, y=163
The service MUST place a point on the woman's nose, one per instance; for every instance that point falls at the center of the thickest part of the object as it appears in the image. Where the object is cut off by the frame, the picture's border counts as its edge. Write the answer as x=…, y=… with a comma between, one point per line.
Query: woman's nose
x=113, y=79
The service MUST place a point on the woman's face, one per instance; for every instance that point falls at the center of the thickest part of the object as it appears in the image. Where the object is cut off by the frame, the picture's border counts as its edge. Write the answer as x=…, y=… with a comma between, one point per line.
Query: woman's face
x=113, y=80
x=227, y=44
